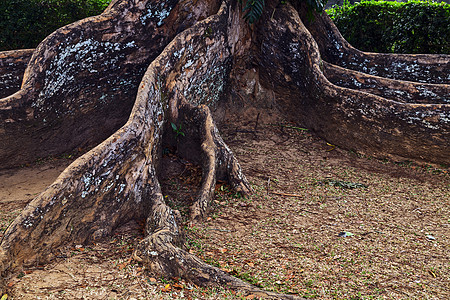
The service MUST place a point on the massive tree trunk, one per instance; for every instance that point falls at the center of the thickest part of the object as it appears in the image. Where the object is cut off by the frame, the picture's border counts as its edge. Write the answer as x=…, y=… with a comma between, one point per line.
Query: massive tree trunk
x=119, y=81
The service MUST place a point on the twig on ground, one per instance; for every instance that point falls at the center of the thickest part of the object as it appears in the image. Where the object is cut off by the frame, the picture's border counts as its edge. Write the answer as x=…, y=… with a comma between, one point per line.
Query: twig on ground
x=256, y=123
x=221, y=230
x=291, y=127
x=287, y=195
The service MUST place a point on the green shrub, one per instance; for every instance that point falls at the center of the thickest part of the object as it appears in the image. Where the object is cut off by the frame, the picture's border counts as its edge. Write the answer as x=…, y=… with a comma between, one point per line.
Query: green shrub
x=381, y=26
x=25, y=23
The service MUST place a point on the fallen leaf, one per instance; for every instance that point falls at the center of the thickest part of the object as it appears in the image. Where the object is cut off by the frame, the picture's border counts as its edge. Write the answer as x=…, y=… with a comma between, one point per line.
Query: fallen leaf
x=251, y=296
x=177, y=286
x=166, y=288
x=250, y=264
x=223, y=250
x=4, y=297
x=152, y=279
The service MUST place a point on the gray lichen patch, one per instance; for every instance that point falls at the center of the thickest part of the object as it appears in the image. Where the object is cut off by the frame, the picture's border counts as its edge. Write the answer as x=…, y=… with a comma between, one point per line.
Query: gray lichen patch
x=396, y=90
x=87, y=56
x=12, y=68
x=157, y=12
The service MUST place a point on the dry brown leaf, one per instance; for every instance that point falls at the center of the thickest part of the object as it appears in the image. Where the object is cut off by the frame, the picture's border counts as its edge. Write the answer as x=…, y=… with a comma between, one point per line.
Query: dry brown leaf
x=177, y=286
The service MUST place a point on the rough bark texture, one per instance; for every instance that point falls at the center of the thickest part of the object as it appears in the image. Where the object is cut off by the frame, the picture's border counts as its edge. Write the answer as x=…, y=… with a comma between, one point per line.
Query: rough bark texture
x=157, y=63
x=355, y=119
x=12, y=68
x=81, y=82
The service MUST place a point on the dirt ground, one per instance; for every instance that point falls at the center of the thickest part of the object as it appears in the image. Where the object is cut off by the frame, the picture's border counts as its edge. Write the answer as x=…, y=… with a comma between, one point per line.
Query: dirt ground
x=322, y=223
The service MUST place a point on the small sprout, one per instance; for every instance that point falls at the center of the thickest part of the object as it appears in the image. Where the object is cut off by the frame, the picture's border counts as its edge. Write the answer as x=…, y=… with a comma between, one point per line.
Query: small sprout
x=177, y=130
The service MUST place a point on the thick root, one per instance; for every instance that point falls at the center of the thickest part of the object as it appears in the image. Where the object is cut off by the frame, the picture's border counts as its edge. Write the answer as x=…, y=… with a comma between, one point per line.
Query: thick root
x=397, y=90
x=81, y=82
x=117, y=181
x=218, y=161
x=353, y=119
x=425, y=68
x=158, y=251
x=12, y=69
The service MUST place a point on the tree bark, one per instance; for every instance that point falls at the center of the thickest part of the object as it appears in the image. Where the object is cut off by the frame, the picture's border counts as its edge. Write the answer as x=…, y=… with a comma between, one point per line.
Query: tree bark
x=144, y=65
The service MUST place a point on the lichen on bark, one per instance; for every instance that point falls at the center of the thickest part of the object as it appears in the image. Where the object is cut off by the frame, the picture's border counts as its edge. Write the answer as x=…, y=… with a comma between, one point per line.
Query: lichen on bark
x=153, y=64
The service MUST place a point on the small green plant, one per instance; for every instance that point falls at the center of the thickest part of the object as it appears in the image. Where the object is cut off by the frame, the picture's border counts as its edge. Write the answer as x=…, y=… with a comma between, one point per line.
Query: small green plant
x=342, y=184
x=249, y=278
x=177, y=130
x=253, y=9
x=208, y=32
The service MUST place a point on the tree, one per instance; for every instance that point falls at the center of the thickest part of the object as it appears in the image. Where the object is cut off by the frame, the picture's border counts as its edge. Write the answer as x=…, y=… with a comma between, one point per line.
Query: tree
x=134, y=78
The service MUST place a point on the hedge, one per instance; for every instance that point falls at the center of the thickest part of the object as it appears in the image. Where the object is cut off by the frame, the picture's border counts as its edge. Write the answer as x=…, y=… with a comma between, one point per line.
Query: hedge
x=376, y=26
x=395, y=27
x=25, y=23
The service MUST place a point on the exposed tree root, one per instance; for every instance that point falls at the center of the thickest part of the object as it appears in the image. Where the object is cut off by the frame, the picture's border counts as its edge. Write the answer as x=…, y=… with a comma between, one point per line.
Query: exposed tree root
x=347, y=117
x=189, y=65
x=80, y=84
x=426, y=68
x=397, y=90
x=217, y=158
x=12, y=68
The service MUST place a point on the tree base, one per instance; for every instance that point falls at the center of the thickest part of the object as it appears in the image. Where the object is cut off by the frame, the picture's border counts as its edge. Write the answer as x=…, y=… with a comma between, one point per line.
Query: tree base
x=118, y=180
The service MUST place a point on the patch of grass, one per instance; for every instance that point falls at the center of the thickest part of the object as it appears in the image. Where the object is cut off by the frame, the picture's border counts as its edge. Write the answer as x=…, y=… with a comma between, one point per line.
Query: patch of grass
x=249, y=278
x=342, y=184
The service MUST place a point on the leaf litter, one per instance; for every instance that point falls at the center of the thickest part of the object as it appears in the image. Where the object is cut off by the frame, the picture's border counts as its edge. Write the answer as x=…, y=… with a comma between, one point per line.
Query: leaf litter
x=285, y=237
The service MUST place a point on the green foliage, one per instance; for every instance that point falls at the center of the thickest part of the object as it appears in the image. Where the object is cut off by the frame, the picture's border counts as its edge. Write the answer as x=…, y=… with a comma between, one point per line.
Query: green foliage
x=342, y=184
x=317, y=5
x=177, y=130
x=393, y=27
x=253, y=9
x=25, y=23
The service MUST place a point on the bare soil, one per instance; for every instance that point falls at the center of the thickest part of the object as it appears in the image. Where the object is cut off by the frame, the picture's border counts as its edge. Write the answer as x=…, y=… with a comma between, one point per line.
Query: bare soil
x=323, y=223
